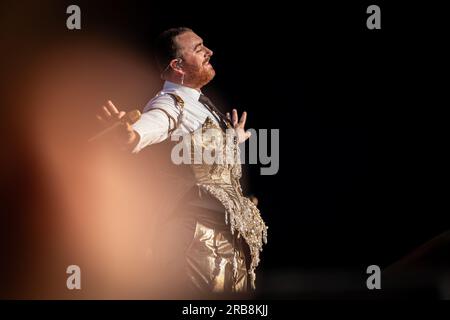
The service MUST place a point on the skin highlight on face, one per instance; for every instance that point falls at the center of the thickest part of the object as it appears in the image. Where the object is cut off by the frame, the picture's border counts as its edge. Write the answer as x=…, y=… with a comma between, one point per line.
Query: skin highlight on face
x=195, y=67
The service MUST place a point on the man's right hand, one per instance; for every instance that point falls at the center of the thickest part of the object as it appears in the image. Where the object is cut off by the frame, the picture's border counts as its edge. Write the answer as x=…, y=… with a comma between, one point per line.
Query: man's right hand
x=109, y=115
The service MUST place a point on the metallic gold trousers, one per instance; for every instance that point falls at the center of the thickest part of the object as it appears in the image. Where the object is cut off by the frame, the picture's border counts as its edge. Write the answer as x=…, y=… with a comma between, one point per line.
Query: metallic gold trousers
x=216, y=260
x=198, y=255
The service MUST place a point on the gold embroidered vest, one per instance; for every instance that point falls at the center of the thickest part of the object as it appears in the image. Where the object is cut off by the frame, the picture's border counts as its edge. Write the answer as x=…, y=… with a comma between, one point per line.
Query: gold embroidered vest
x=220, y=179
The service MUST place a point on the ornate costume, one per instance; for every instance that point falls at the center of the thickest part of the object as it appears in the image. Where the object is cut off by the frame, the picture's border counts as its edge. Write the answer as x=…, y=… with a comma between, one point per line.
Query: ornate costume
x=222, y=231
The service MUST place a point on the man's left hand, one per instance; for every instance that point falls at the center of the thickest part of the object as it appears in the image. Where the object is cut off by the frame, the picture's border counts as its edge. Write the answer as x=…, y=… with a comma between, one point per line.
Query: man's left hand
x=239, y=126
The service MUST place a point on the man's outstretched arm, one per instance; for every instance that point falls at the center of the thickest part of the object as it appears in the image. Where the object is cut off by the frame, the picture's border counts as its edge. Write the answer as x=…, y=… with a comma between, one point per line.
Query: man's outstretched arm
x=152, y=127
x=109, y=115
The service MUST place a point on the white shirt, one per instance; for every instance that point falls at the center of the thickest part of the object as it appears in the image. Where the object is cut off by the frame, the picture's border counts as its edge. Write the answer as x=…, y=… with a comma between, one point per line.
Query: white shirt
x=154, y=124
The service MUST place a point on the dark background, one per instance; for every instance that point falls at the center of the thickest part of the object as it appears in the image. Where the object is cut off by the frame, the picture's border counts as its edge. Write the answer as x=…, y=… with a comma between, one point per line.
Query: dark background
x=360, y=123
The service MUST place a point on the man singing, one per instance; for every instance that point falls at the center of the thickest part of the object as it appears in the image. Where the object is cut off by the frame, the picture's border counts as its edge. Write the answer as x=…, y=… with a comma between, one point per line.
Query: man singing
x=212, y=238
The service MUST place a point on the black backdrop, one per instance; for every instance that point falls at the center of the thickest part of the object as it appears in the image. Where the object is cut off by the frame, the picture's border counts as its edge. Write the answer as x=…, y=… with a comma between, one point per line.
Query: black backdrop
x=356, y=108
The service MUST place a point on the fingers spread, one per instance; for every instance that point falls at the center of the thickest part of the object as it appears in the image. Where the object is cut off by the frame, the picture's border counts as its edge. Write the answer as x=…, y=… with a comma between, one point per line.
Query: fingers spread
x=234, y=117
x=121, y=114
x=112, y=108
x=243, y=119
x=106, y=111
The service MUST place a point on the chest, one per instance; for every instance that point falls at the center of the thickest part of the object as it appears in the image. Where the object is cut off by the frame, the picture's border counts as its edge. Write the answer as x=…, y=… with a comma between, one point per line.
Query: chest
x=195, y=115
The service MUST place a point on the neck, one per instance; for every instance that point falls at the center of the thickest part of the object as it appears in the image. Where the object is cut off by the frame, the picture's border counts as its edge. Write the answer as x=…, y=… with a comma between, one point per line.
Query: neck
x=176, y=79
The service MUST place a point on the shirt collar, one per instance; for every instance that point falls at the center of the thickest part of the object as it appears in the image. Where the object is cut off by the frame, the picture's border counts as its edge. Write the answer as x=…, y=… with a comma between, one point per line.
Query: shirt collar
x=174, y=87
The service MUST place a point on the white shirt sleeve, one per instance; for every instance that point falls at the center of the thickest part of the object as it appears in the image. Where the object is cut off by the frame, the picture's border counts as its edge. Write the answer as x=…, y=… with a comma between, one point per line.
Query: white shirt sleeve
x=154, y=124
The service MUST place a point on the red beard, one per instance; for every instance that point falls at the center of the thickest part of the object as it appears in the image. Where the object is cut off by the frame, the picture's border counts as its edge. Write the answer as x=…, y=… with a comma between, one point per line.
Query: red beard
x=201, y=77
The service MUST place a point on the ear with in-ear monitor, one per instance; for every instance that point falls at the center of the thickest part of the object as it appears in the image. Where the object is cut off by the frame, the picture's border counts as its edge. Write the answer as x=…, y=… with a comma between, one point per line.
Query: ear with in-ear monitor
x=179, y=63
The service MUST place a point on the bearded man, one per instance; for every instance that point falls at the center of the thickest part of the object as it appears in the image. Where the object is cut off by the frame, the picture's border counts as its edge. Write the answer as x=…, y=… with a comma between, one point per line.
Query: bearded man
x=212, y=238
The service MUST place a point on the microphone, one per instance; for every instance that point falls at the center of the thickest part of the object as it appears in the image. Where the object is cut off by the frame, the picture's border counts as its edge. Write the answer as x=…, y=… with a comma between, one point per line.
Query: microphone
x=130, y=117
